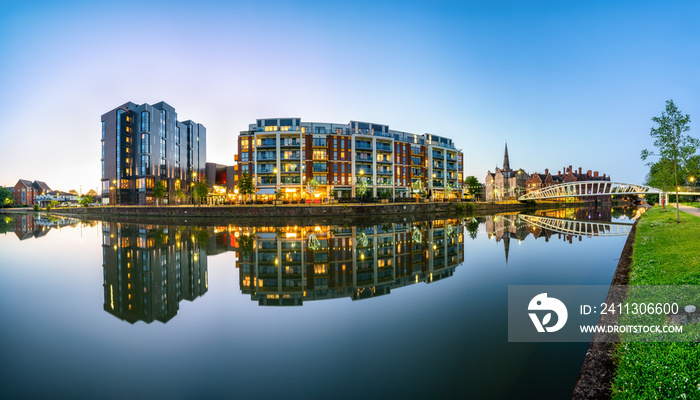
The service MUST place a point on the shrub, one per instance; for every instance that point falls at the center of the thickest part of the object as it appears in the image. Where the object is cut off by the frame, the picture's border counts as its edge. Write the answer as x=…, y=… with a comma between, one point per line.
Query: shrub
x=48, y=207
x=36, y=207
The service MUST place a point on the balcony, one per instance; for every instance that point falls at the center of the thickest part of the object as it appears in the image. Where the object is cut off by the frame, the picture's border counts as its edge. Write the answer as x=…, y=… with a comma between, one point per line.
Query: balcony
x=364, y=159
x=263, y=157
x=384, y=147
x=384, y=172
x=385, y=160
x=290, y=180
x=267, y=143
x=290, y=143
x=363, y=145
x=452, y=167
x=438, y=156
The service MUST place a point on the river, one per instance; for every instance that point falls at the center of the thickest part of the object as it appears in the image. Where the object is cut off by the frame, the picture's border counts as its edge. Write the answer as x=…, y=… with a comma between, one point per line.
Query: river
x=414, y=309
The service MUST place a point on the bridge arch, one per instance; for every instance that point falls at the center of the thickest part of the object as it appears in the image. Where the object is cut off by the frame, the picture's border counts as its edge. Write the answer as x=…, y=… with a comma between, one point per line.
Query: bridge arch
x=587, y=189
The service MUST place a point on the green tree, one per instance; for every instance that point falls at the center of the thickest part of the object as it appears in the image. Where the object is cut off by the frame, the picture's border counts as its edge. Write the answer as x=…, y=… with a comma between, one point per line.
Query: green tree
x=85, y=200
x=180, y=194
x=201, y=189
x=471, y=183
x=159, y=190
x=671, y=142
x=5, y=197
x=245, y=185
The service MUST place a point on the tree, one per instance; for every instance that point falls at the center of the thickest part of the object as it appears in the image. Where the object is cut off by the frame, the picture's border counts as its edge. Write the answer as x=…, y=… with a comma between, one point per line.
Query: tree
x=85, y=200
x=159, y=190
x=471, y=183
x=5, y=197
x=201, y=189
x=245, y=185
x=180, y=194
x=91, y=192
x=673, y=145
x=73, y=191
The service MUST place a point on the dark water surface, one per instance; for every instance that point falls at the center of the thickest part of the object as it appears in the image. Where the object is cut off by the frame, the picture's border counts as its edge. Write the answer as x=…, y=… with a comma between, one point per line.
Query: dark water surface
x=408, y=310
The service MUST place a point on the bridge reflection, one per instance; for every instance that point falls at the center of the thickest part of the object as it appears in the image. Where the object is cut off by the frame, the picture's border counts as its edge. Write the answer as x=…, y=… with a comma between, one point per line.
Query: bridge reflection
x=565, y=224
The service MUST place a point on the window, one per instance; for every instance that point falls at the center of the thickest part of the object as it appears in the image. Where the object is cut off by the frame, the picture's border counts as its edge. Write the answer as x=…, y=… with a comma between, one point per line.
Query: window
x=320, y=167
x=335, y=168
x=103, y=170
x=162, y=149
x=145, y=121
x=319, y=154
x=177, y=134
x=319, y=142
x=145, y=165
x=163, y=134
x=103, y=130
x=145, y=143
x=244, y=157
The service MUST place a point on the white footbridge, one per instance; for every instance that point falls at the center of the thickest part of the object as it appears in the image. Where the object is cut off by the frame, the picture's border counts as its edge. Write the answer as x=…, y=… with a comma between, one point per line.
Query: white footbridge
x=589, y=189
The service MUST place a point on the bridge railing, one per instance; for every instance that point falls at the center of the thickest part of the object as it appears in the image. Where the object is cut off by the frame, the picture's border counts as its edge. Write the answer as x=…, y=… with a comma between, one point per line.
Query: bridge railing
x=586, y=189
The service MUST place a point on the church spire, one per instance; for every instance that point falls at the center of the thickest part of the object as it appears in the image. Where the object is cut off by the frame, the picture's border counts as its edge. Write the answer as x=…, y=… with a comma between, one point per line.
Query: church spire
x=506, y=162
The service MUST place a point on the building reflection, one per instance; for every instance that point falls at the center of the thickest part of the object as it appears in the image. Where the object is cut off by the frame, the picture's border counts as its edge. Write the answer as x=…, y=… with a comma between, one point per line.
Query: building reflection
x=567, y=224
x=148, y=270
x=26, y=226
x=289, y=265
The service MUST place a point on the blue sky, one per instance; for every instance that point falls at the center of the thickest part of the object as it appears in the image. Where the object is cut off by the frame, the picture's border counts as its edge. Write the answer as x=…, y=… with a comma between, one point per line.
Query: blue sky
x=562, y=82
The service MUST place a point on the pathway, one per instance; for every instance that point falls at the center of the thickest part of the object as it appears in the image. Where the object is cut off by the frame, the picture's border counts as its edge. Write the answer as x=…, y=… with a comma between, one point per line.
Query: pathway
x=690, y=210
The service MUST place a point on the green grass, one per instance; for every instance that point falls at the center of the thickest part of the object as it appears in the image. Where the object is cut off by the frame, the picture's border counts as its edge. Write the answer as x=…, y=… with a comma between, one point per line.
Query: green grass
x=665, y=253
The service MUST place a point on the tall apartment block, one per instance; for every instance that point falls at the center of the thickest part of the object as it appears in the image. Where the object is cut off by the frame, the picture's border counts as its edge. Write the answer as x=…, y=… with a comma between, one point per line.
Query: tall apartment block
x=145, y=143
x=286, y=153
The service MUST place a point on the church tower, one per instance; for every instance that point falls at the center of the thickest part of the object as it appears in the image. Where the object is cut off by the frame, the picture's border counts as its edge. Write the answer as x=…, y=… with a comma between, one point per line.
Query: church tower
x=506, y=161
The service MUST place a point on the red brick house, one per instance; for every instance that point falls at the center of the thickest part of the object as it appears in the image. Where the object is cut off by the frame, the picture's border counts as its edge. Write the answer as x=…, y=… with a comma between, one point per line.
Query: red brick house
x=538, y=181
x=25, y=192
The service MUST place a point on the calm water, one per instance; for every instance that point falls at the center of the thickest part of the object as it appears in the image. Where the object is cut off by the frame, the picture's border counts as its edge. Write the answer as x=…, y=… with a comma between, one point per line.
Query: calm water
x=393, y=310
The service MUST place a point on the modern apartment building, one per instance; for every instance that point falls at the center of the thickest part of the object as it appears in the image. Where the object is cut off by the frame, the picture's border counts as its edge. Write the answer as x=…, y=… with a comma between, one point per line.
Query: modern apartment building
x=285, y=154
x=145, y=143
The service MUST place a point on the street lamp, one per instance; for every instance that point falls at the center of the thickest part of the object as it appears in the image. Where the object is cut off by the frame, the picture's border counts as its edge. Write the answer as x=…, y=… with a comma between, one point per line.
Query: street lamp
x=274, y=170
x=362, y=173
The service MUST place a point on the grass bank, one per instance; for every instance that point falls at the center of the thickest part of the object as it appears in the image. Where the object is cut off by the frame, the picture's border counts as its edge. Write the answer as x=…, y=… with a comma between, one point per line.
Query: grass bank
x=665, y=253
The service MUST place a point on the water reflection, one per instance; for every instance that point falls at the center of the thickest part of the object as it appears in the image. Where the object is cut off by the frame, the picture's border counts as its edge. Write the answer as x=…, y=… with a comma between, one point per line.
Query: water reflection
x=149, y=269
x=26, y=226
x=287, y=266
x=564, y=224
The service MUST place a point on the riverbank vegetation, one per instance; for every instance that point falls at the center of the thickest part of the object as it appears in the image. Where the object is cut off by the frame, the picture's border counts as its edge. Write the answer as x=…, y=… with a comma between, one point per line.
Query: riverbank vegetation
x=665, y=253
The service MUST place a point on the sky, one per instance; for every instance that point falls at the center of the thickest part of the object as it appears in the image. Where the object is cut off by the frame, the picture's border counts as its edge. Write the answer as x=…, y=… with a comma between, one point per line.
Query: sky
x=563, y=83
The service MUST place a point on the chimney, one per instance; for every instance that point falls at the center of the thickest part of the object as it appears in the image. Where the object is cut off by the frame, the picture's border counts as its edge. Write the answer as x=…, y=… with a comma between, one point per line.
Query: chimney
x=595, y=174
x=579, y=170
x=558, y=172
x=570, y=169
x=546, y=171
x=588, y=174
